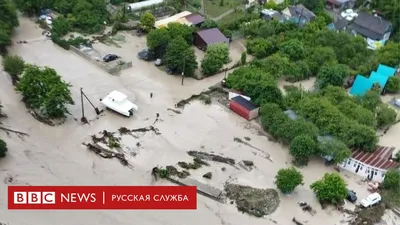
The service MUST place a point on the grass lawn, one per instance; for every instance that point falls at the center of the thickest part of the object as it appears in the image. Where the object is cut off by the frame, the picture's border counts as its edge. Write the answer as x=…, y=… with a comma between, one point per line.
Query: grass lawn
x=231, y=17
x=214, y=8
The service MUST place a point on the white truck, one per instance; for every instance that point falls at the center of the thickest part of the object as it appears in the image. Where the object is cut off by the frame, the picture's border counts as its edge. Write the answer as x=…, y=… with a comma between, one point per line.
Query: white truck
x=119, y=103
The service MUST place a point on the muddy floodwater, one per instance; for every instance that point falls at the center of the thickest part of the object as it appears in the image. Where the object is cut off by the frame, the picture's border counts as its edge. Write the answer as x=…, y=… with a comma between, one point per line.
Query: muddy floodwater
x=56, y=155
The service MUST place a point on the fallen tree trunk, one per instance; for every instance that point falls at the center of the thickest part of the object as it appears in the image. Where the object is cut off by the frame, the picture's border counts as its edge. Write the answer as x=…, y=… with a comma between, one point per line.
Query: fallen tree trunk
x=296, y=221
x=14, y=131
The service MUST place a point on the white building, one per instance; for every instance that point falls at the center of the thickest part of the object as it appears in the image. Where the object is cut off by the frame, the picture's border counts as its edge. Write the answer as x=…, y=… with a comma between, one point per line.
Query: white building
x=140, y=5
x=371, y=165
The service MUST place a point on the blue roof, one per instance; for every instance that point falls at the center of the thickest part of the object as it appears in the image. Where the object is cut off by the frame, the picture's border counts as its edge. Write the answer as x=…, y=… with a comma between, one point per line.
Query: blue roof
x=378, y=78
x=386, y=70
x=361, y=85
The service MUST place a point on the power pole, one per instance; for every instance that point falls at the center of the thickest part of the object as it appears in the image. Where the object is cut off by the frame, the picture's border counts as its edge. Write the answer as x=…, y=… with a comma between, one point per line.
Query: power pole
x=83, y=119
x=183, y=71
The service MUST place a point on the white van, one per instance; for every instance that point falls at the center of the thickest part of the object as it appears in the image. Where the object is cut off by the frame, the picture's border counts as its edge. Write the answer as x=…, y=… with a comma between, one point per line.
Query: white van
x=371, y=200
x=118, y=102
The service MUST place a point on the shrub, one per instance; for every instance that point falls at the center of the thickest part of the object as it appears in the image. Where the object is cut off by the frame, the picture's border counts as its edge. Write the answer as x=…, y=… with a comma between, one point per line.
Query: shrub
x=288, y=179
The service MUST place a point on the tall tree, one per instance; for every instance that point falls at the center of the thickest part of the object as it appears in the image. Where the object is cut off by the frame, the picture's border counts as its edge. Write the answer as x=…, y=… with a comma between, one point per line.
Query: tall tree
x=334, y=148
x=13, y=65
x=8, y=20
x=301, y=148
x=180, y=57
x=332, y=75
x=43, y=89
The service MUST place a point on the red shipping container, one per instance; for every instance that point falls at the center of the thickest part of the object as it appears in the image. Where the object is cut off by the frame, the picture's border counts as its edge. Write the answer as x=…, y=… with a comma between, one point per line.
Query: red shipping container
x=240, y=110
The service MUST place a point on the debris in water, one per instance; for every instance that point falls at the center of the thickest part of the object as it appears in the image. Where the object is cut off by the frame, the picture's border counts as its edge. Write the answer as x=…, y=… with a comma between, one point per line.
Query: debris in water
x=254, y=201
x=207, y=175
x=107, y=154
x=223, y=168
x=247, y=138
x=184, y=102
x=248, y=163
x=175, y=111
x=267, y=156
x=211, y=157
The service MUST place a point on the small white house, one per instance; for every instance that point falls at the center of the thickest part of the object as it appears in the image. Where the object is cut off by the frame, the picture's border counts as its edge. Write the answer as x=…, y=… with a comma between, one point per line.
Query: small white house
x=371, y=165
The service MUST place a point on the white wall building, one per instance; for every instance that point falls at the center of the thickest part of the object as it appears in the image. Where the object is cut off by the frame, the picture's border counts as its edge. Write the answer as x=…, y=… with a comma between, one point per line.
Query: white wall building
x=140, y=5
x=371, y=165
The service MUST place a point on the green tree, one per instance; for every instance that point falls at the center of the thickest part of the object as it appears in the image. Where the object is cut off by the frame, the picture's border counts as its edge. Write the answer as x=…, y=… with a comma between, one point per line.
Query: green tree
x=332, y=75
x=393, y=84
x=211, y=65
x=260, y=47
x=147, y=21
x=43, y=89
x=331, y=188
x=313, y=5
x=301, y=148
x=180, y=56
x=61, y=26
x=3, y=148
x=177, y=30
x=294, y=49
x=209, y=23
x=389, y=54
x=319, y=56
x=271, y=4
x=8, y=20
x=157, y=40
x=370, y=100
x=243, y=58
x=13, y=65
x=392, y=180
x=385, y=116
x=288, y=179
x=334, y=148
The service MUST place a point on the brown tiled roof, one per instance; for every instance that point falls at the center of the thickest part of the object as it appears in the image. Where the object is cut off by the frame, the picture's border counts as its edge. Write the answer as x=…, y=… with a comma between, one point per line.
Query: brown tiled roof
x=380, y=158
x=195, y=18
x=212, y=36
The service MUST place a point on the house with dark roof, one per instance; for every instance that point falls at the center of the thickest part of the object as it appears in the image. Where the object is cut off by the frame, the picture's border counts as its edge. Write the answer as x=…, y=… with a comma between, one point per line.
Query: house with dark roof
x=339, y=5
x=373, y=28
x=204, y=38
x=339, y=25
x=371, y=165
x=298, y=14
x=270, y=14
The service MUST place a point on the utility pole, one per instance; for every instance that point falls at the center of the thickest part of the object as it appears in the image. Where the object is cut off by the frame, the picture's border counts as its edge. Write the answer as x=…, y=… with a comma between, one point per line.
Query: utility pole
x=83, y=119
x=183, y=71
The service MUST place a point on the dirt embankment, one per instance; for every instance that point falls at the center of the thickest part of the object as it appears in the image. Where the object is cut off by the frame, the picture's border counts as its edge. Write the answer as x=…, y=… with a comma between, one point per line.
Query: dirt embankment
x=254, y=201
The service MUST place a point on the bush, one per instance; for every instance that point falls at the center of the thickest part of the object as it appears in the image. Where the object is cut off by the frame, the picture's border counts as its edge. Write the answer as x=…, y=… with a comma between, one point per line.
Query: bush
x=393, y=84
x=330, y=189
x=3, y=148
x=13, y=65
x=301, y=148
x=288, y=179
x=392, y=181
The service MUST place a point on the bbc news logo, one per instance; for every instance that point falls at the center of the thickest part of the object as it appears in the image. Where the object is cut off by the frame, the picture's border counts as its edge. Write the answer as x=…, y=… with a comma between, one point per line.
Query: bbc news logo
x=101, y=197
x=34, y=198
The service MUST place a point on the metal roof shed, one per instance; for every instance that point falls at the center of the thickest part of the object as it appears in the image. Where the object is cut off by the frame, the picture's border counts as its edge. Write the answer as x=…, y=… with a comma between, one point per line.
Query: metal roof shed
x=378, y=78
x=203, y=38
x=244, y=108
x=361, y=86
x=386, y=70
x=140, y=5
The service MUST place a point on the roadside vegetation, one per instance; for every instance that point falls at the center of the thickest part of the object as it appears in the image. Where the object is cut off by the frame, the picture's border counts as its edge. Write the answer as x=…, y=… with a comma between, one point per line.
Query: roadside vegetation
x=3, y=144
x=43, y=89
x=8, y=21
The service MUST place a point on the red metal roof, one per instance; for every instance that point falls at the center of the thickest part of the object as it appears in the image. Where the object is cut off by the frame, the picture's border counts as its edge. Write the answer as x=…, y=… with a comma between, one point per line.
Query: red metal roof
x=380, y=158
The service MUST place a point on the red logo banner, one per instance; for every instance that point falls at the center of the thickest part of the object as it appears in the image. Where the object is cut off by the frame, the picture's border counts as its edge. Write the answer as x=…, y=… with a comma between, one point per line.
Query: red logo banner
x=101, y=197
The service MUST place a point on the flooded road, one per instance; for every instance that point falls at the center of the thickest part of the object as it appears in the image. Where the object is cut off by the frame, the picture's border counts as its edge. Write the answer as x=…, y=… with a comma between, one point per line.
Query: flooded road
x=56, y=156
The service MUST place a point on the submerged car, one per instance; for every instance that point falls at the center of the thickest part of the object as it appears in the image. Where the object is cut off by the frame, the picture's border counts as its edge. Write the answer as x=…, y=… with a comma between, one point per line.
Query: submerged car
x=146, y=55
x=351, y=196
x=110, y=57
x=158, y=62
x=171, y=71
